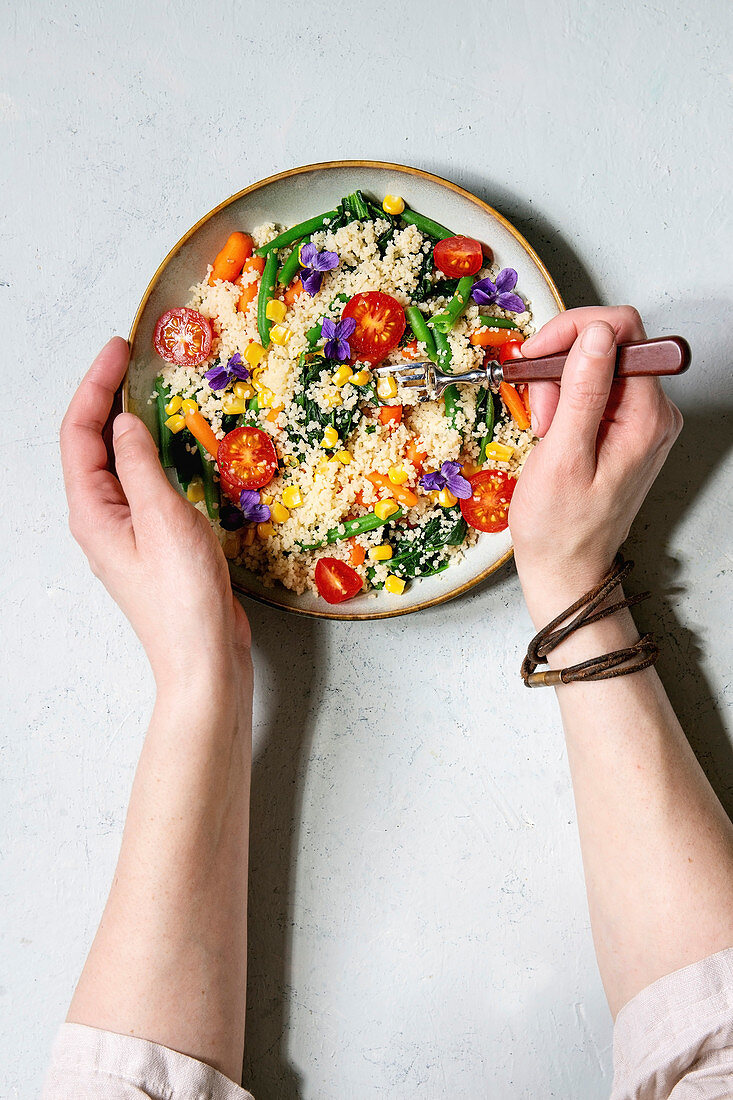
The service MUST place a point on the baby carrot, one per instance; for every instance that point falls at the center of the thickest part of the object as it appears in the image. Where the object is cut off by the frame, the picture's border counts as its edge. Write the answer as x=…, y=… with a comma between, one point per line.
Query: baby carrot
x=229, y=262
x=399, y=492
x=514, y=403
x=249, y=292
x=491, y=338
x=201, y=430
x=357, y=553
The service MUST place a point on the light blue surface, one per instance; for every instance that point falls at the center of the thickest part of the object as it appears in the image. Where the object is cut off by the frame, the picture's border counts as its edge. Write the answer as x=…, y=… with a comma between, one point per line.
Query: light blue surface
x=418, y=915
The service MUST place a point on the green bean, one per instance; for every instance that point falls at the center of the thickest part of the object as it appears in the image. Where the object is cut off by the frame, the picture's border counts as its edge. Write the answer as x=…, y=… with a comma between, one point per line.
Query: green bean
x=211, y=489
x=425, y=225
x=303, y=229
x=489, y=422
x=289, y=269
x=450, y=400
x=351, y=527
x=164, y=432
x=497, y=322
x=443, y=349
x=459, y=301
x=422, y=333
x=267, y=289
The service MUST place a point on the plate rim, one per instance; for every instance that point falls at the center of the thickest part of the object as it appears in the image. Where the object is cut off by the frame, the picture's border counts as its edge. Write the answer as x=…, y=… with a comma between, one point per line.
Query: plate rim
x=288, y=174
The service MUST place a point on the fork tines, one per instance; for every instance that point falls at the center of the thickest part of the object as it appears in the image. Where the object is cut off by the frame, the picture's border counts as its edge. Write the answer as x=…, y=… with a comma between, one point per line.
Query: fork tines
x=413, y=377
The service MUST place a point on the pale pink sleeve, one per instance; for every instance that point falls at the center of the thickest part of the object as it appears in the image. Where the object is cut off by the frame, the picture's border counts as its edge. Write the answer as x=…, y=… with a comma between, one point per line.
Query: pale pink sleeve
x=674, y=1040
x=89, y=1064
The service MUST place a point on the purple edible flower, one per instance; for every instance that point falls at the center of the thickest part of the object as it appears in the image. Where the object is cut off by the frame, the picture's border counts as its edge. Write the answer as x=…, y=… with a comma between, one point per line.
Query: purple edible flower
x=252, y=508
x=337, y=337
x=220, y=376
x=486, y=293
x=230, y=518
x=313, y=264
x=448, y=477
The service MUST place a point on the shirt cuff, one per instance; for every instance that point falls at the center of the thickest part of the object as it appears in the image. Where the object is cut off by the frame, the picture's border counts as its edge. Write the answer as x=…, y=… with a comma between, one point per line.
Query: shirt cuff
x=90, y=1064
x=673, y=1023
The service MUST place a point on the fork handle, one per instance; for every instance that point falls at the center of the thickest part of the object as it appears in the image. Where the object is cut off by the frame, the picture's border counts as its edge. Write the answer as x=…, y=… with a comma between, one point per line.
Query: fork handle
x=665, y=355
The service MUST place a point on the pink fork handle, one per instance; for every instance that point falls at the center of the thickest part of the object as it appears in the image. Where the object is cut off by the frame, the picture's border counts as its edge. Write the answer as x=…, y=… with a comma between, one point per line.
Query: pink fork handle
x=666, y=355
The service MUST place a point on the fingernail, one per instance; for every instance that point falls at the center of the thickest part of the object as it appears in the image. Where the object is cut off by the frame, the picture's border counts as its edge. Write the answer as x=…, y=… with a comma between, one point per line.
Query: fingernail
x=597, y=339
x=122, y=423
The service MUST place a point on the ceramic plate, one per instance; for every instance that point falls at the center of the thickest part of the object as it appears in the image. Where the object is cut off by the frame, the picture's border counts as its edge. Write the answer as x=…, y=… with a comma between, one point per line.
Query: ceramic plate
x=292, y=197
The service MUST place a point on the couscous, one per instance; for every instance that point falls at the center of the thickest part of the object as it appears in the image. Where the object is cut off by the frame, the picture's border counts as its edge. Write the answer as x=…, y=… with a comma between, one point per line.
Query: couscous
x=314, y=472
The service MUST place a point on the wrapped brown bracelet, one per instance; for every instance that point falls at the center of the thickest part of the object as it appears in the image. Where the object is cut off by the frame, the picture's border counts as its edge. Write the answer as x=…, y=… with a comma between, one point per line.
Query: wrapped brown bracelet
x=619, y=663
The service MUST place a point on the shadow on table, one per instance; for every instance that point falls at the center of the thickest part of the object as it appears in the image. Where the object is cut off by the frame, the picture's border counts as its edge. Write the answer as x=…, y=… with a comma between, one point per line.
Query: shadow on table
x=706, y=439
x=289, y=650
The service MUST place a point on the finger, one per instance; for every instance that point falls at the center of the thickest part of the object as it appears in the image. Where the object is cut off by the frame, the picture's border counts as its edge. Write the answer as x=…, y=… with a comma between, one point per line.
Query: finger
x=584, y=391
x=562, y=331
x=83, y=451
x=543, y=399
x=138, y=467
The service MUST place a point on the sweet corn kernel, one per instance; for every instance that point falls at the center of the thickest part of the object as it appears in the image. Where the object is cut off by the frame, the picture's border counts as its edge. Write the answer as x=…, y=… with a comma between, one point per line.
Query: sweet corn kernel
x=248, y=535
x=174, y=405
x=394, y=584
x=446, y=499
x=393, y=204
x=265, y=396
x=291, y=460
x=380, y=553
x=275, y=310
x=360, y=378
x=189, y=406
x=175, y=423
x=195, y=492
x=232, y=405
x=385, y=508
x=333, y=399
x=468, y=469
x=265, y=498
x=386, y=388
x=254, y=353
x=292, y=497
x=278, y=512
x=279, y=334
x=264, y=530
x=500, y=452
x=397, y=475
x=342, y=375
x=242, y=389
x=330, y=437
x=344, y=457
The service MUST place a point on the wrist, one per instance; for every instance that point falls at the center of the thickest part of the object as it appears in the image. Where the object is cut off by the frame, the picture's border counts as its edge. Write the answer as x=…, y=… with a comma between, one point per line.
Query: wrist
x=550, y=588
x=219, y=677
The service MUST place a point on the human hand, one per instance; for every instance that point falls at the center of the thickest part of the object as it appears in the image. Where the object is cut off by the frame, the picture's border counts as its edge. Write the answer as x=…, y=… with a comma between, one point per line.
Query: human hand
x=156, y=555
x=602, y=444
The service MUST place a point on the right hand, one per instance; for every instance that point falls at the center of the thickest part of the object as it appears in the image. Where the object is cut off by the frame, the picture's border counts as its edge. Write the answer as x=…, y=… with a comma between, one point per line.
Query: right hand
x=156, y=555
x=602, y=444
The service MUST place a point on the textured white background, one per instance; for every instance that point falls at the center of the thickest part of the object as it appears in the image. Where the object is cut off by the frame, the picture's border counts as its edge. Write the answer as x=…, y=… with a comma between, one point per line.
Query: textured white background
x=418, y=922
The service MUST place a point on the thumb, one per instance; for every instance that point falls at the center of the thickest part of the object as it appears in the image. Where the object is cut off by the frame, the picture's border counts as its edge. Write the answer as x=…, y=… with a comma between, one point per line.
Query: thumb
x=584, y=390
x=138, y=465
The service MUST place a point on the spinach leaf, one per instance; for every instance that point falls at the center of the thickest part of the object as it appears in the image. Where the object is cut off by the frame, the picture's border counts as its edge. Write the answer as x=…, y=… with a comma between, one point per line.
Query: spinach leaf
x=420, y=552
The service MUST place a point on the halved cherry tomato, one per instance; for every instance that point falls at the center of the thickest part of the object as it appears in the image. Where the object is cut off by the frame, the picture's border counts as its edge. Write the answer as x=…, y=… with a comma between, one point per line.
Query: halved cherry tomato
x=488, y=506
x=511, y=350
x=390, y=414
x=458, y=256
x=247, y=460
x=183, y=336
x=335, y=580
x=493, y=337
x=380, y=323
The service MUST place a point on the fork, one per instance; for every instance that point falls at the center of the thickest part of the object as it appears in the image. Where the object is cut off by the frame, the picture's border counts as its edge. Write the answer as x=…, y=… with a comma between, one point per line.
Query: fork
x=664, y=356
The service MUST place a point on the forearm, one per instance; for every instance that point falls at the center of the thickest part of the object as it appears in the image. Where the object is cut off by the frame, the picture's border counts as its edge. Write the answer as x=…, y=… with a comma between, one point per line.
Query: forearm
x=657, y=846
x=169, y=960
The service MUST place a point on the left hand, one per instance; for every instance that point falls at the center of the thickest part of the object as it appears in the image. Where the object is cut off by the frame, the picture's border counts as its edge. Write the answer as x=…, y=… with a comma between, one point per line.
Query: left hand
x=156, y=555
